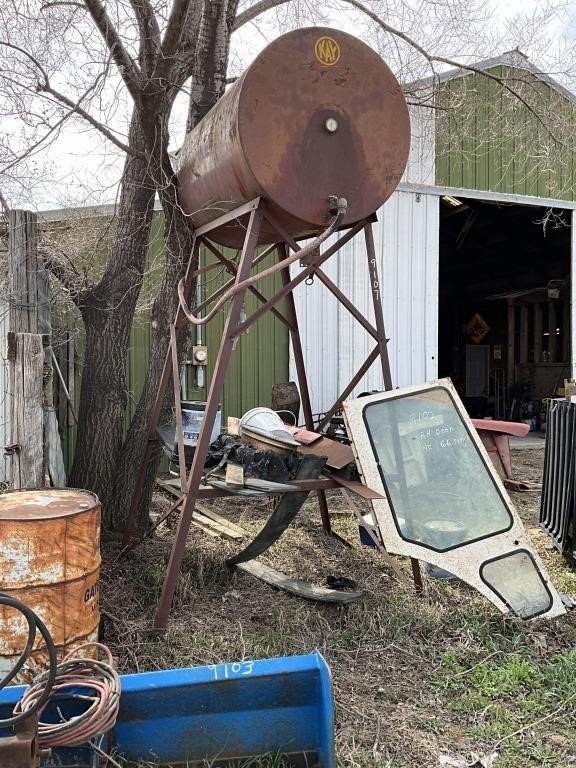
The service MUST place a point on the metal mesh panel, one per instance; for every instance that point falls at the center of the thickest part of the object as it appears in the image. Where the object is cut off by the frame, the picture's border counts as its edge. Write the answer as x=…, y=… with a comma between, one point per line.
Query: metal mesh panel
x=557, y=510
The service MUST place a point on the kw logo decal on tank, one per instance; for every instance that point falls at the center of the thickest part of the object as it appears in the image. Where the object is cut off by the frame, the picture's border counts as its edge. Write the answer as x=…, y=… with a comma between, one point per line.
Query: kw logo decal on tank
x=327, y=51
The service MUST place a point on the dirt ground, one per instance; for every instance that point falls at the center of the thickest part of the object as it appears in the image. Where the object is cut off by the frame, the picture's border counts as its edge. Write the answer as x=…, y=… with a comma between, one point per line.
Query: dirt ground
x=438, y=680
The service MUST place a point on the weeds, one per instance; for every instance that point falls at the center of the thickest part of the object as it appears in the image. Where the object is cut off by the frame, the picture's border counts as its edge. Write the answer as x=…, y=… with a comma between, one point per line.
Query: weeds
x=413, y=678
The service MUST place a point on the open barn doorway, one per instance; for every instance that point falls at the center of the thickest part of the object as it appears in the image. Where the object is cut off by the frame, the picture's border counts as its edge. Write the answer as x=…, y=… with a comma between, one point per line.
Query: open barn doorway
x=504, y=298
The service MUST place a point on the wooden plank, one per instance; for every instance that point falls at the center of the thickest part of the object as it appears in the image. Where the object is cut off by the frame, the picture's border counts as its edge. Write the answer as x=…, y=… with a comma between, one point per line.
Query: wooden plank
x=223, y=530
x=22, y=271
x=538, y=333
x=296, y=586
x=205, y=528
x=234, y=475
x=220, y=526
x=219, y=519
x=233, y=425
x=524, y=333
x=30, y=313
x=53, y=449
x=304, y=436
x=510, y=367
x=337, y=454
x=26, y=355
x=359, y=488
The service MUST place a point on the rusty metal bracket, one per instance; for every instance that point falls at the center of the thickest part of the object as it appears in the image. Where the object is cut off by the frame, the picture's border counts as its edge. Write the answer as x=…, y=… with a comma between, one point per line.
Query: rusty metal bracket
x=21, y=749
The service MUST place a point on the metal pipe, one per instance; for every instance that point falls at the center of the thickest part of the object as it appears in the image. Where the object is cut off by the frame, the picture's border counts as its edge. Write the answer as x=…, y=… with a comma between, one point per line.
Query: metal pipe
x=342, y=207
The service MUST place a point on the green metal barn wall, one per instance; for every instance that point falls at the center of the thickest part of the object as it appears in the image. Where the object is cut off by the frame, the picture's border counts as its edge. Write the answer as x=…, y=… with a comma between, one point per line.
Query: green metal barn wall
x=259, y=361
x=486, y=139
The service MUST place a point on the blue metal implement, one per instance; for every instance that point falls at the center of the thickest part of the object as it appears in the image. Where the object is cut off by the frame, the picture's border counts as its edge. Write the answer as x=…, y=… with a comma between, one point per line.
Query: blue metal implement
x=220, y=713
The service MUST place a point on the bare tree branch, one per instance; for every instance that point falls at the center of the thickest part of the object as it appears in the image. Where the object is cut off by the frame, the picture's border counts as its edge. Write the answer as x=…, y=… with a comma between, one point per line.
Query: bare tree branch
x=255, y=10
x=4, y=203
x=76, y=108
x=431, y=58
x=126, y=66
x=36, y=145
x=150, y=35
x=59, y=3
x=175, y=28
x=61, y=266
x=29, y=56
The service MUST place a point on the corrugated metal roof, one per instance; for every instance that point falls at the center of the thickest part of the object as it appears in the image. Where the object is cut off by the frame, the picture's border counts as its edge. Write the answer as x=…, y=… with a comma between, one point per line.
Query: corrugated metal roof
x=514, y=58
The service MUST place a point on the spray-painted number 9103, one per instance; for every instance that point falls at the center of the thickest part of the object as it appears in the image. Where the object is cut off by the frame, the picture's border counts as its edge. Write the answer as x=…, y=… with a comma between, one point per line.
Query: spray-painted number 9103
x=236, y=669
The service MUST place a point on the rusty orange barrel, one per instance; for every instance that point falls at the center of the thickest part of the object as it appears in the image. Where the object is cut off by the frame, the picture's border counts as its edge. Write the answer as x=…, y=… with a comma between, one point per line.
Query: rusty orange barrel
x=50, y=560
x=318, y=113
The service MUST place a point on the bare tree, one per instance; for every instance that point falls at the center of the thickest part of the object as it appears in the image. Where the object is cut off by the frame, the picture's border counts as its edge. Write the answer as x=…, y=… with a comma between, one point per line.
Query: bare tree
x=121, y=70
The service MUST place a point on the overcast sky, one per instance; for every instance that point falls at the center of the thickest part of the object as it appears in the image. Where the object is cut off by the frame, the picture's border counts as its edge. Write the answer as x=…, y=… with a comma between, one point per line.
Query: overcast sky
x=86, y=169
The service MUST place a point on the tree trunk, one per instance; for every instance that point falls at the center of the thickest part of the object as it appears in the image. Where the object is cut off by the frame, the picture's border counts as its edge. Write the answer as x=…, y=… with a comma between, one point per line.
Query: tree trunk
x=208, y=82
x=108, y=313
x=211, y=61
x=178, y=239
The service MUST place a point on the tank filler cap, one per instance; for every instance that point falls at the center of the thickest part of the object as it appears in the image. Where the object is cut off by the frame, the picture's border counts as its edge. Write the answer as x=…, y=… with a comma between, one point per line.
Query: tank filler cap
x=331, y=124
x=336, y=206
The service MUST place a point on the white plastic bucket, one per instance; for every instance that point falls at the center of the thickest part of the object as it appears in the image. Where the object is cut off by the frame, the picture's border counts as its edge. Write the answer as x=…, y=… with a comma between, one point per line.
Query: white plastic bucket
x=192, y=417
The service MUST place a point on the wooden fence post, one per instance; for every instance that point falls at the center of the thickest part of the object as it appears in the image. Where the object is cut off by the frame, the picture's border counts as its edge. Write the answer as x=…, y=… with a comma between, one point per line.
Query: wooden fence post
x=23, y=271
x=33, y=443
x=26, y=356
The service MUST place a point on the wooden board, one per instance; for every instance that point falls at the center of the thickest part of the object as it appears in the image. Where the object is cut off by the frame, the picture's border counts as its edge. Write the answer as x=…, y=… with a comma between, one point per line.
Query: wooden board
x=304, y=436
x=223, y=530
x=204, y=517
x=296, y=586
x=205, y=528
x=53, y=449
x=26, y=356
x=219, y=519
x=22, y=271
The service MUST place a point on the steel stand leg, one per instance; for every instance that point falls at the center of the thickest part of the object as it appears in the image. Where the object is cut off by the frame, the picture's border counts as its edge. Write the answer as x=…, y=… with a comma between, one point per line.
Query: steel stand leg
x=383, y=349
x=302, y=380
x=229, y=336
x=159, y=403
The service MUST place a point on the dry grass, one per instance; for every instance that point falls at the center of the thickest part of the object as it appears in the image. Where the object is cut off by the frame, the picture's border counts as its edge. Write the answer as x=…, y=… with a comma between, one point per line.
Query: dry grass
x=414, y=679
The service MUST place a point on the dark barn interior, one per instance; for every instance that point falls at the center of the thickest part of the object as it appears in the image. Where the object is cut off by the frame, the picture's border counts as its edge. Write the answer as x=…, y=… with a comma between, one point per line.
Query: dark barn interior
x=504, y=318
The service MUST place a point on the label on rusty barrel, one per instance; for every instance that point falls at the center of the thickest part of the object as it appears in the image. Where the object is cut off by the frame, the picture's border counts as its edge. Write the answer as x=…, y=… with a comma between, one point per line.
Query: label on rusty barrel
x=327, y=51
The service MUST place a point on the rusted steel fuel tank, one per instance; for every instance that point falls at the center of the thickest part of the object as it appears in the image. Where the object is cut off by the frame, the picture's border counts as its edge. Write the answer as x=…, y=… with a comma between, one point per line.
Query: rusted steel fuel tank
x=318, y=113
x=49, y=559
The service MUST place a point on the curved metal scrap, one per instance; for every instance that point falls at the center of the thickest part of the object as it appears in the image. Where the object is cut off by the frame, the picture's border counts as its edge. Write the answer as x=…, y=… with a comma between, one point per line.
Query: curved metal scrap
x=289, y=506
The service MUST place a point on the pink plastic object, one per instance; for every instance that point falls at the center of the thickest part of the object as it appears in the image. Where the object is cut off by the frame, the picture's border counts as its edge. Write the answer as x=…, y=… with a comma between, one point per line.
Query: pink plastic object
x=494, y=436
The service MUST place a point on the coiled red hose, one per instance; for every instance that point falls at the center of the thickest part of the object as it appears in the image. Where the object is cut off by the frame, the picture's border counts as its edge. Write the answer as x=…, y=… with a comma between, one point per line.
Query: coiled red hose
x=89, y=680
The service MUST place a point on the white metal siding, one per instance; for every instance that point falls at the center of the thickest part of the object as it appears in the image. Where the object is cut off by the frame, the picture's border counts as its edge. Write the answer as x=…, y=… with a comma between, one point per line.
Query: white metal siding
x=317, y=313
x=335, y=345
x=421, y=168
